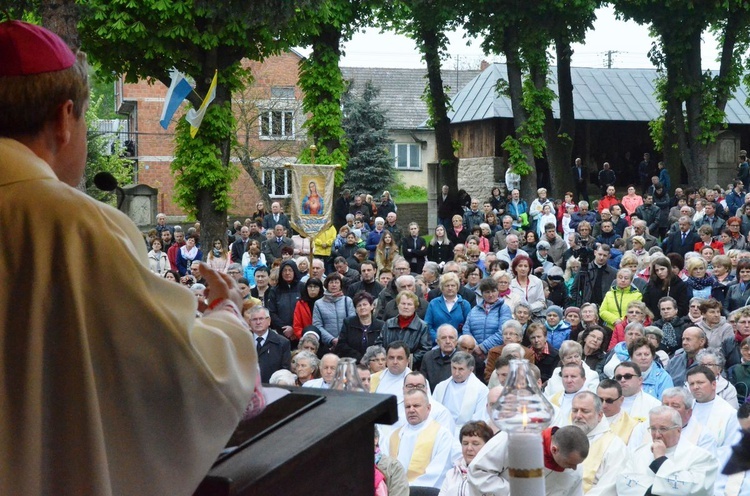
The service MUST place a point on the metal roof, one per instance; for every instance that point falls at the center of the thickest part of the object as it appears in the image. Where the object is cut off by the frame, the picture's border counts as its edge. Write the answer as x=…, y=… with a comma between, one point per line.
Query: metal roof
x=401, y=91
x=599, y=94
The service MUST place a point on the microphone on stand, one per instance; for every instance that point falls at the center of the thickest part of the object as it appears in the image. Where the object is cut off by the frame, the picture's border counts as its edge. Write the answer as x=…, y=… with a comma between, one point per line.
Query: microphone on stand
x=105, y=181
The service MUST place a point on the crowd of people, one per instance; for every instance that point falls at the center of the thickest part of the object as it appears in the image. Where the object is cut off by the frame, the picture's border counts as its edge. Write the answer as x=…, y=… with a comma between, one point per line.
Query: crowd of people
x=632, y=311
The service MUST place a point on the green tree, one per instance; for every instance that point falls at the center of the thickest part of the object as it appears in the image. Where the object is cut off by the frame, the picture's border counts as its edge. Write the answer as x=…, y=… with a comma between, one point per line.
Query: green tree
x=523, y=34
x=146, y=38
x=370, y=167
x=426, y=22
x=325, y=29
x=693, y=99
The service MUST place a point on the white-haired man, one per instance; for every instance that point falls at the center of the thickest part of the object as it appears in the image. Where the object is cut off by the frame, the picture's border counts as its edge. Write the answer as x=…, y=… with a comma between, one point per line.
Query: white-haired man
x=665, y=466
x=511, y=249
x=328, y=365
x=463, y=394
x=275, y=218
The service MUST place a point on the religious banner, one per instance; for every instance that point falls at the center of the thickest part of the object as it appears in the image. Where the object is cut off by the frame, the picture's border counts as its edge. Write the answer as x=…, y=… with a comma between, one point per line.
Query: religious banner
x=312, y=197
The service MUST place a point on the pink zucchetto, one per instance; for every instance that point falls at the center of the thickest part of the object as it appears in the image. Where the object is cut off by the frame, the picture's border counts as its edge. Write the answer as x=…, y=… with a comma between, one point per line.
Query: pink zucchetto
x=26, y=49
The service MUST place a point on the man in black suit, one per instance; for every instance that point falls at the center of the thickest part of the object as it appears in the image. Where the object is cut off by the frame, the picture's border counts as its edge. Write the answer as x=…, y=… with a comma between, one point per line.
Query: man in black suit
x=607, y=178
x=271, y=248
x=276, y=217
x=580, y=180
x=436, y=363
x=448, y=205
x=239, y=247
x=683, y=240
x=341, y=208
x=274, y=350
x=414, y=249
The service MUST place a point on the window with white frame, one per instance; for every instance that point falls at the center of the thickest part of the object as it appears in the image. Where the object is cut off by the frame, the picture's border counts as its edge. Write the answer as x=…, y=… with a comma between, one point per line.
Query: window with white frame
x=277, y=124
x=278, y=182
x=406, y=156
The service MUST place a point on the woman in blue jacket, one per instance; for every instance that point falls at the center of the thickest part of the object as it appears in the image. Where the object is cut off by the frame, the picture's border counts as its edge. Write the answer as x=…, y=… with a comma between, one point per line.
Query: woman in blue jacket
x=485, y=321
x=449, y=308
x=655, y=378
x=517, y=208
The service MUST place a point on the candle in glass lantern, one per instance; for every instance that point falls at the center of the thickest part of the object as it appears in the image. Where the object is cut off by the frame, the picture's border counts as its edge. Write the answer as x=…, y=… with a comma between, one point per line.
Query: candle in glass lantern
x=523, y=412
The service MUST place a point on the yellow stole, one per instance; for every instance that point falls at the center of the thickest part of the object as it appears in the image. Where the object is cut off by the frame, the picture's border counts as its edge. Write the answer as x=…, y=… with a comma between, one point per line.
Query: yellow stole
x=375, y=381
x=555, y=399
x=624, y=426
x=594, y=460
x=422, y=453
x=734, y=484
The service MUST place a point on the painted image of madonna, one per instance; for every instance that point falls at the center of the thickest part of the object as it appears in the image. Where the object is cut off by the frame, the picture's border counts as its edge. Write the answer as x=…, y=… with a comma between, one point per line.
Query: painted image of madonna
x=312, y=204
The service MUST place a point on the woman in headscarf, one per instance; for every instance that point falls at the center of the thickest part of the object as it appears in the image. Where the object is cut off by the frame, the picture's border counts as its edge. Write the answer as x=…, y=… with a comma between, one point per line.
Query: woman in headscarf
x=312, y=292
x=283, y=299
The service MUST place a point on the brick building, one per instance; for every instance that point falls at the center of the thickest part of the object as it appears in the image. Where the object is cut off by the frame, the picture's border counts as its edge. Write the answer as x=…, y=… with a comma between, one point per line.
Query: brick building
x=269, y=129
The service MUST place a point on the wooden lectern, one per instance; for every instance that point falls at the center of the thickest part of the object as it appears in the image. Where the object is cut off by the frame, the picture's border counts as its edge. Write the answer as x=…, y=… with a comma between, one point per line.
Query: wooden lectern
x=310, y=442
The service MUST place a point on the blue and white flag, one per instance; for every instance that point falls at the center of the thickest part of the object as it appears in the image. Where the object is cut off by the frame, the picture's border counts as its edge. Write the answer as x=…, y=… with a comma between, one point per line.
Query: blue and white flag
x=177, y=92
x=195, y=117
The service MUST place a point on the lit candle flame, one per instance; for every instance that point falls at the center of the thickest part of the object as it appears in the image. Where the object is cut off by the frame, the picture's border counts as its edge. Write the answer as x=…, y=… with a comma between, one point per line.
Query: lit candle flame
x=524, y=417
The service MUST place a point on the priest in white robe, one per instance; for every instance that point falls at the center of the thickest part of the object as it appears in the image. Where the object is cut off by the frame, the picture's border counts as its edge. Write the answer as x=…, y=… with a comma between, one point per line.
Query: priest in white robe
x=110, y=385
x=711, y=410
x=695, y=433
x=438, y=413
x=635, y=402
x=573, y=379
x=606, y=449
x=564, y=450
x=737, y=483
x=570, y=352
x=426, y=449
x=463, y=394
x=692, y=432
x=667, y=467
x=390, y=380
x=621, y=423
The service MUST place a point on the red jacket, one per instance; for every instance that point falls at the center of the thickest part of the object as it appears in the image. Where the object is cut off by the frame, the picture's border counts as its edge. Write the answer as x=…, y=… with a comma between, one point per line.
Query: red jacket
x=607, y=202
x=302, y=318
x=618, y=333
x=718, y=246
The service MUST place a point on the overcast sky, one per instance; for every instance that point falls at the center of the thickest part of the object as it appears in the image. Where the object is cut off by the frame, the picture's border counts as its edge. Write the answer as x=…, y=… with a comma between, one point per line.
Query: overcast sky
x=628, y=41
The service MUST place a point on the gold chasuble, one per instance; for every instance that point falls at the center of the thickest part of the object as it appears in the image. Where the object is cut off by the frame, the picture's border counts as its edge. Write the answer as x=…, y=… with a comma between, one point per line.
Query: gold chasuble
x=422, y=454
x=594, y=460
x=624, y=426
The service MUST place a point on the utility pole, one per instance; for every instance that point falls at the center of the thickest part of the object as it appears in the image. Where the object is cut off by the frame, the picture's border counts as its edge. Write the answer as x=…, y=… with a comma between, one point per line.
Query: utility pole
x=609, y=57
